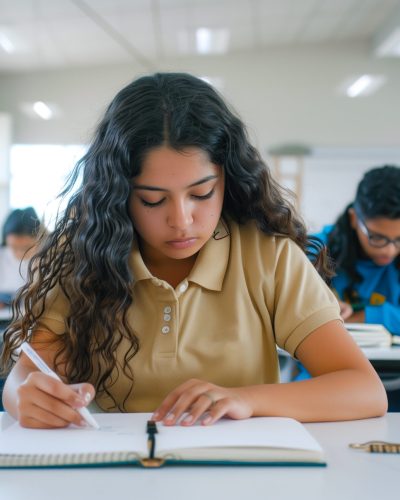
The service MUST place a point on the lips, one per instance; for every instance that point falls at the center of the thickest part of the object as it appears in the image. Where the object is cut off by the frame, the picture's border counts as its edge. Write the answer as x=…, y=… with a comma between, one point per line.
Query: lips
x=182, y=243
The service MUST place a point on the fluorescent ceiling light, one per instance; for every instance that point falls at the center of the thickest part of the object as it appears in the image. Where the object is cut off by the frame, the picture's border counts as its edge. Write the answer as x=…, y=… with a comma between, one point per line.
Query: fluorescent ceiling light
x=42, y=110
x=6, y=44
x=212, y=41
x=390, y=45
x=364, y=85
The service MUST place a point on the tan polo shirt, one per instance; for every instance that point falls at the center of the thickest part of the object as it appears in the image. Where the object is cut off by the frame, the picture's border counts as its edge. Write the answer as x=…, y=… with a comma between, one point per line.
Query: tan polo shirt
x=246, y=293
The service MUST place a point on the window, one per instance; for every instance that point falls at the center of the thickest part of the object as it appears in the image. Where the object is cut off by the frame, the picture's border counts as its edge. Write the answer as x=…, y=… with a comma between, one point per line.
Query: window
x=38, y=175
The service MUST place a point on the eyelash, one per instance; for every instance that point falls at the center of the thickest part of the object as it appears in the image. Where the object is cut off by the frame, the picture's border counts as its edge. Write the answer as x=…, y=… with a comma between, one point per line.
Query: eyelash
x=157, y=203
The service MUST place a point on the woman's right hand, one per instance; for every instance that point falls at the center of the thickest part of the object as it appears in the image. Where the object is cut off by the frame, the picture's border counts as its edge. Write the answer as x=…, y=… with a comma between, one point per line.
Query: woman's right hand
x=44, y=402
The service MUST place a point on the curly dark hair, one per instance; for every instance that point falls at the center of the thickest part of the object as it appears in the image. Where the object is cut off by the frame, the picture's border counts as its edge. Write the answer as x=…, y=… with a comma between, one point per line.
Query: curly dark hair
x=378, y=195
x=87, y=253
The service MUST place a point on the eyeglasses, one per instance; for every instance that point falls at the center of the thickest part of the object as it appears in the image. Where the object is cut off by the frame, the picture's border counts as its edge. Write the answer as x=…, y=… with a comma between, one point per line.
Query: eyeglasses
x=375, y=239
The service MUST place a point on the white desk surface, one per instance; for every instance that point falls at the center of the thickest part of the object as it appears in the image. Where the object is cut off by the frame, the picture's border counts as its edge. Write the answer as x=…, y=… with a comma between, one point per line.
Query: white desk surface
x=350, y=475
x=382, y=353
x=391, y=353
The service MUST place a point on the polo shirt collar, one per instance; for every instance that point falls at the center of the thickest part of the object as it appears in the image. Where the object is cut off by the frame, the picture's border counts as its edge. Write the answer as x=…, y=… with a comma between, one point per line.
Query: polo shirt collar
x=209, y=268
x=211, y=263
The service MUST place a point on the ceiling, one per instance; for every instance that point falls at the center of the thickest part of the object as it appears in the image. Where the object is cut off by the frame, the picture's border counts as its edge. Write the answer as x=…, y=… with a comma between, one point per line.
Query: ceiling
x=70, y=33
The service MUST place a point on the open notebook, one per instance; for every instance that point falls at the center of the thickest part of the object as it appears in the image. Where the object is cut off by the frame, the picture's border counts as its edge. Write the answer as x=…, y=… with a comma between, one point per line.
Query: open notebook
x=369, y=335
x=122, y=440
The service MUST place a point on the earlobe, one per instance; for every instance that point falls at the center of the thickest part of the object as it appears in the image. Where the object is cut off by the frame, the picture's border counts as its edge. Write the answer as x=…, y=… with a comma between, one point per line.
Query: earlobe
x=352, y=218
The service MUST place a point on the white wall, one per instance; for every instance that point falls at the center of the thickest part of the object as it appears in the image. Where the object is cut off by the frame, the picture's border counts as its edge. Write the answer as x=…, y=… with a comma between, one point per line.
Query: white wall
x=331, y=178
x=5, y=142
x=283, y=94
x=286, y=94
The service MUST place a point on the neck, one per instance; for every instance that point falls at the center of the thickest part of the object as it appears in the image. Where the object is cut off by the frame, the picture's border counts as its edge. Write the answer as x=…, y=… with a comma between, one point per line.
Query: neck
x=172, y=271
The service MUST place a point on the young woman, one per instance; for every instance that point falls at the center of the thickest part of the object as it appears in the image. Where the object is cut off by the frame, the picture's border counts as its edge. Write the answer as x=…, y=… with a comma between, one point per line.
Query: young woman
x=365, y=246
x=174, y=272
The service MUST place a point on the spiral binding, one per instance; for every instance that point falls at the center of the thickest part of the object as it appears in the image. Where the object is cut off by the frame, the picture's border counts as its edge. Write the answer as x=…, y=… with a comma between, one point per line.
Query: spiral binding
x=69, y=459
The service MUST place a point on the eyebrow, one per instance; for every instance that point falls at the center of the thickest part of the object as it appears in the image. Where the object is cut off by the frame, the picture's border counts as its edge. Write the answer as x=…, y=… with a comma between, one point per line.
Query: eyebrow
x=156, y=188
x=375, y=233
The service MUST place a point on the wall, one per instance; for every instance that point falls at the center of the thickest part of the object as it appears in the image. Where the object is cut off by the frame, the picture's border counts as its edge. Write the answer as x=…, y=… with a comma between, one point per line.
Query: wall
x=5, y=142
x=283, y=94
x=286, y=94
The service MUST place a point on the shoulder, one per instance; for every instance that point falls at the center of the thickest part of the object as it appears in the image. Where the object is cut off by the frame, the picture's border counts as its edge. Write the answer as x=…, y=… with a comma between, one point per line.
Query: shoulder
x=260, y=249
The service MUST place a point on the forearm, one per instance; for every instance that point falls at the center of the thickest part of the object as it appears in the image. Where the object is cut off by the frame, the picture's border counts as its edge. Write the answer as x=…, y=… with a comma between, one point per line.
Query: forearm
x=343, y=395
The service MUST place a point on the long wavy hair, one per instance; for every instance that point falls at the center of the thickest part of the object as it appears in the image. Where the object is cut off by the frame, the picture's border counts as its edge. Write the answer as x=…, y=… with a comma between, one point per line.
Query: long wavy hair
x=87, y=254
x=377, y=195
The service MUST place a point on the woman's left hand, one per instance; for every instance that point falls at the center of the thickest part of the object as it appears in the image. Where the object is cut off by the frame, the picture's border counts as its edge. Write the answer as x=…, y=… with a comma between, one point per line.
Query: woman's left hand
x=198, y=398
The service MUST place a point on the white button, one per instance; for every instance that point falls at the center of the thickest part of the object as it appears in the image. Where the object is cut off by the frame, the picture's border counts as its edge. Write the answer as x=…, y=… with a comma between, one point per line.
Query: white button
x=183, y=287
x=167, y=309
x=165, y=329
x=167, y=317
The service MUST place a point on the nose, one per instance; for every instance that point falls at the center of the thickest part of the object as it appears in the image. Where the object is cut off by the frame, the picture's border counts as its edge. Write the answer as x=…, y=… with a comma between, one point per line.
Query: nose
x=180, y=215
x=391, y=251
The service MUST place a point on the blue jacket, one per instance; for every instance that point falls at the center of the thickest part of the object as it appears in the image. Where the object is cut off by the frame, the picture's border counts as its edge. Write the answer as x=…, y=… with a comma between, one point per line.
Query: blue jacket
x=378, y=292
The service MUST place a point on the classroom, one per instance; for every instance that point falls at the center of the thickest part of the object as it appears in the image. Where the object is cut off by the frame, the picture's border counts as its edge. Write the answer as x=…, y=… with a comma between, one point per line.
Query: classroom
x=102, y=104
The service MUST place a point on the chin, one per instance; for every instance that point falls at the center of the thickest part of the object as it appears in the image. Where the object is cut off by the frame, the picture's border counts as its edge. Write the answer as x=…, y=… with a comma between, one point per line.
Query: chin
x=383, y=262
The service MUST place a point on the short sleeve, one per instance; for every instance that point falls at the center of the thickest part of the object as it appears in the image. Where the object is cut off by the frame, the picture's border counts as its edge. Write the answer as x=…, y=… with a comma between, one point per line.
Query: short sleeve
x=303, y=301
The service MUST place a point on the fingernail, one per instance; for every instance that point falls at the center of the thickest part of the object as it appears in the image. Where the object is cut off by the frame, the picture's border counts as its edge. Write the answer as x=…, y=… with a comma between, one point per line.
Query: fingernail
x=188, y=419
x=79, y=402
x=169, y=417
x=207, y=420
x=155, y=415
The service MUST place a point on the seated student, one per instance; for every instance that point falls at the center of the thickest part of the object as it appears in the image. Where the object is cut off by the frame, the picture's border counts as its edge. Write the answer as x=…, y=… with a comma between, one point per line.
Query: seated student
x=174, y=271
x=20, y=236
x=364, y=244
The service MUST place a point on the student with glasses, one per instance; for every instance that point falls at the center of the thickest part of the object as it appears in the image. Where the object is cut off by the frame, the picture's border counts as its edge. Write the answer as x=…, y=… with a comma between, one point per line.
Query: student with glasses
x=364, y=244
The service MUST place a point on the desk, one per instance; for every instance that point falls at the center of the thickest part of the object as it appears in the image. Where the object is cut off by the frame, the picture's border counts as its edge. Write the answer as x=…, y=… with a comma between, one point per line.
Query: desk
x=383, y=353
x=350, y=475
x=386, y=359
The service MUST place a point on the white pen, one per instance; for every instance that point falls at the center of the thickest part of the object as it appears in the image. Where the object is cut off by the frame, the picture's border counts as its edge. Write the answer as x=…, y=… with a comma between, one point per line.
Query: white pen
x=38, y=361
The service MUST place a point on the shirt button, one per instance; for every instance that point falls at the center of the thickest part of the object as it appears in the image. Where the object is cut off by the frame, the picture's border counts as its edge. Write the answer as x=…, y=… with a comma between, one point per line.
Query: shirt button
x=167, y=317
x=165, y=329
x=167, y=309
x=183, y=287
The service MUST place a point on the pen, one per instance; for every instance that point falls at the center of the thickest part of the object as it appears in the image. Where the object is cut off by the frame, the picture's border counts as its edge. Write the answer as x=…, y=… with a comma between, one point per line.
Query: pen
x=38, y=361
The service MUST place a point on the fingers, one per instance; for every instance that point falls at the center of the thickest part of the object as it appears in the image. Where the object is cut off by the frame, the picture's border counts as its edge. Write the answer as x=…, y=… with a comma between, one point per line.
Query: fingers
x=85, y=391
x=204, y=403
x=197, y=400
x=45, y=402
x=180, y=400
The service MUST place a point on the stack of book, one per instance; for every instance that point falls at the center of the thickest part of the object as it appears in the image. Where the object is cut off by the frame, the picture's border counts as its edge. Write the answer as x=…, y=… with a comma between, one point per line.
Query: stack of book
x=369, y=335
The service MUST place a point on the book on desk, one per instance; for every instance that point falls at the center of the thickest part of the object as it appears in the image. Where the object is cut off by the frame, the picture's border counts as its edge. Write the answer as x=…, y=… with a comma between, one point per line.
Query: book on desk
x=371, y=335
x=123, y=439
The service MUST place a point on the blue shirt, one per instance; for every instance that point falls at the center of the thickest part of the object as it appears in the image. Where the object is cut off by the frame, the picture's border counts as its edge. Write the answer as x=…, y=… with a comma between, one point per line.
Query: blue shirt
x=378, y=291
